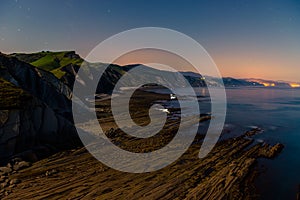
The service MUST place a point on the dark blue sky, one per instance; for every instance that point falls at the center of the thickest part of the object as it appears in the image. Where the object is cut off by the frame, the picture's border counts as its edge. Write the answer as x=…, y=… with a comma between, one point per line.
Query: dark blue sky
x=245, y=38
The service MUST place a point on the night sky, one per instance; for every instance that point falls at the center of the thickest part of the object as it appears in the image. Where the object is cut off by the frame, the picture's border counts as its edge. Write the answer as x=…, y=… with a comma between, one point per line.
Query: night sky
x=259, y=39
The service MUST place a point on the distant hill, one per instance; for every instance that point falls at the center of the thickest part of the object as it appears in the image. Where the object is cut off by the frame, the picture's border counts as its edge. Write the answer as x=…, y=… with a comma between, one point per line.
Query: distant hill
x=270, y=83
x=65, y=64
x=248, y=82
x=36, y=93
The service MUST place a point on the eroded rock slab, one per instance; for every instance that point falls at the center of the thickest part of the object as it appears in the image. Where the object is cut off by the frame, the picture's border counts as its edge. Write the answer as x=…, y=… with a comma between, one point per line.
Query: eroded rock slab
x=226, y=173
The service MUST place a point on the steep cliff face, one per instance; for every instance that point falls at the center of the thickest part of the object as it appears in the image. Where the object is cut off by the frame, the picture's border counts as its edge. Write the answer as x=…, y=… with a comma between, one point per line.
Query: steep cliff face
x=37, y=82
x=35, y=111
x=33, y=128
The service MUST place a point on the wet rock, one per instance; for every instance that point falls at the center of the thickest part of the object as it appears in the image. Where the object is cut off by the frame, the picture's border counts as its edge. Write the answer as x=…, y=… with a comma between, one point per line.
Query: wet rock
x=3, y=185
x=6, y=193
x=2, y=179
x=16, y=160
x=252, y=132
x=275, y=150
x=107, y=190
x=271, y=151
x=51, y=172
x=14, y=181
x=21, y=165
x=226, y=173
x=5, y=170
x=111, y=133
x=9, y=165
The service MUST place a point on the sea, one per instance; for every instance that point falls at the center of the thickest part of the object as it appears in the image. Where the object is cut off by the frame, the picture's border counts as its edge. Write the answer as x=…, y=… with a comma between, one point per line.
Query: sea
x=277, y=112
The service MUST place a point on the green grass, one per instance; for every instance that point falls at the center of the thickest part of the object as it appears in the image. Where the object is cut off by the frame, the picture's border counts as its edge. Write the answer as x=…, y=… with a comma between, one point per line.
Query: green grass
x=50, y=61
x=58, y=73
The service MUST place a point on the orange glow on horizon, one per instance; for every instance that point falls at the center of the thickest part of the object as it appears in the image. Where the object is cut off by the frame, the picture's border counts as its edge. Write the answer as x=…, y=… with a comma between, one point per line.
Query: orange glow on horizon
x=294, y=85
x=252, y=63
x=268, y=84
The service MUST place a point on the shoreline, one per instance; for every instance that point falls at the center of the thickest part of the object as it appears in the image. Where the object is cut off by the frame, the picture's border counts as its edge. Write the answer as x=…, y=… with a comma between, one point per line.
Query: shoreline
x=228, y=171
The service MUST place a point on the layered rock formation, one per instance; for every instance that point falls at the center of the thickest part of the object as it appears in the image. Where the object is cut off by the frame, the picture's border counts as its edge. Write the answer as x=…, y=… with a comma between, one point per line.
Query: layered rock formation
x=226, y=173
x=41, y=120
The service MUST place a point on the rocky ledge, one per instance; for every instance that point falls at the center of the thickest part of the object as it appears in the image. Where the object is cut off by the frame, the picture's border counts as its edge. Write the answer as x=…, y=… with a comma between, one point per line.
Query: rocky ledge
x=226, y=173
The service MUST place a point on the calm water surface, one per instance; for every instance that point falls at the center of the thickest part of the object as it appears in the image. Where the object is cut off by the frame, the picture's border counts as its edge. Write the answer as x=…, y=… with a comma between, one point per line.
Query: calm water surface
x=277, y=112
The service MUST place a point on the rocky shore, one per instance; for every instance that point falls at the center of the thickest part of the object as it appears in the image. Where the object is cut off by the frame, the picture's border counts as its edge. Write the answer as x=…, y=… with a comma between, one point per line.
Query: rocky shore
x=37, y=133
x=226, y=173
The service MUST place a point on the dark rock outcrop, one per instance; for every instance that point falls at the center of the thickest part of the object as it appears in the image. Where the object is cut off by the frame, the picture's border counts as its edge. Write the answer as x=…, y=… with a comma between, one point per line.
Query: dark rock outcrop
x=39, y=83
x=43, y=120
x=33, y=126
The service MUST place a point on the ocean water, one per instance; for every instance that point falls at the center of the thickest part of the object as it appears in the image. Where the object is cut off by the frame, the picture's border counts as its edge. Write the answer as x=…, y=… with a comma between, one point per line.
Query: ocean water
x=277, y=112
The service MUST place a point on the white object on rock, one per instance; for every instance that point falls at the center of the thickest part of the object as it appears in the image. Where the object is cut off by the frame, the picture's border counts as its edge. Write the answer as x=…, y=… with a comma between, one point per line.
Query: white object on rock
x=172, y=96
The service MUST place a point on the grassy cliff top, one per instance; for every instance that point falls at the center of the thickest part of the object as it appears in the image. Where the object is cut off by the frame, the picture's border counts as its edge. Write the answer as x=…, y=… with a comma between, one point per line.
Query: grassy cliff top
x=50, y=61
